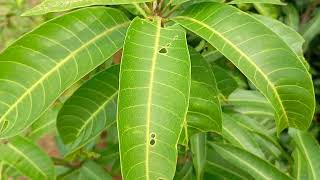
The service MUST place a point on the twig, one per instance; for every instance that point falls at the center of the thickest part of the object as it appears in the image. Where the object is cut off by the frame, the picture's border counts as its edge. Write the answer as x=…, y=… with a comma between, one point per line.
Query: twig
x=166, y=7
x=172, y=11
x=160, y=5
x=146, y=8
x=62, y=162
x=306, y=15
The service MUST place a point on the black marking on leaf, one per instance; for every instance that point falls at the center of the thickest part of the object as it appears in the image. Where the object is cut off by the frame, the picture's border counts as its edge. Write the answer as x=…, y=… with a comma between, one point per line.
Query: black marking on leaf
x=153, y=135
x=163, y=51
x=152, y=142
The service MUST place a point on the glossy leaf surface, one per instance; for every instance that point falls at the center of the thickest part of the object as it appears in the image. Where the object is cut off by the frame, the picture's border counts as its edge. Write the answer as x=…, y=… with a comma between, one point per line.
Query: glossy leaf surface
x=39, y=67
x=239, y=36
x=155, y=80
x=257, y=167
x=309, y=148
x=27, y=158
x=64, y=5
x=204, y=112
x=90, y=110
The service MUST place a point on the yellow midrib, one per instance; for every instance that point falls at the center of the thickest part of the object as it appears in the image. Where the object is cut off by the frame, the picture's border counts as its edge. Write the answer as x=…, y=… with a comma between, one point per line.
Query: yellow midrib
x=149, y=104
x=58, y=65
x=247, y=57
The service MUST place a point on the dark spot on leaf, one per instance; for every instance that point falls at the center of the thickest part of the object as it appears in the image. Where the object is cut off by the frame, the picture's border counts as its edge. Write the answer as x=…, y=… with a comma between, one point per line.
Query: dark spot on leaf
x=163, y=50
x=153, y=135
x=152, y=142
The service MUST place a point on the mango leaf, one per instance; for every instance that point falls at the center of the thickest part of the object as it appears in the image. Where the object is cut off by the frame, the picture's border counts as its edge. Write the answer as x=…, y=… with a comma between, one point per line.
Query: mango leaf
x=311, y=29
x=204, y=112
x=278, y=2
x=292, y=38
x=237, y=35
x=155, y=81
x=92, y=170
x=257, y=167
x=45, y=124
x=225, y=81
x=40, y=66
x=250, y=103
x=292, y=18
x=90, y=110
x=269, y=144
x=212, y=56
x=239, y=136
x=218, y=166
x=27, y=158
x=300, y=167
x=309, y=149
x=269, y=10
x=198, y=144
x=64, y=5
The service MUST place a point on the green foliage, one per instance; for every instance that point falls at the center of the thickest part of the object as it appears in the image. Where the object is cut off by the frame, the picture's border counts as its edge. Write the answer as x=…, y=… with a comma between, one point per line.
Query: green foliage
x=160, y=89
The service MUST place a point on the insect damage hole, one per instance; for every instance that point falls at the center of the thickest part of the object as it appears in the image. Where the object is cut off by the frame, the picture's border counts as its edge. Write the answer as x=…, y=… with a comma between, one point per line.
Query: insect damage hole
x=153, y=135
x=163, y=51
x=152, y=142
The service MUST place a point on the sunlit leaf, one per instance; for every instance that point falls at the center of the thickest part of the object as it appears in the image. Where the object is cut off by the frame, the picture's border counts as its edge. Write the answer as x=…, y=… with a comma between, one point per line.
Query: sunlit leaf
x=237, y=35
x=64, y=5
x=155, y=80
x=90, y=110
x=40, y=66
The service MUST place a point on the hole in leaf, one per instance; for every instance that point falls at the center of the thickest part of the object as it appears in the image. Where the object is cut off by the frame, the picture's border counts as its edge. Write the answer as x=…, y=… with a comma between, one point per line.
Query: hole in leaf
x=153, y=135
x=152, y=142
x=163, y=51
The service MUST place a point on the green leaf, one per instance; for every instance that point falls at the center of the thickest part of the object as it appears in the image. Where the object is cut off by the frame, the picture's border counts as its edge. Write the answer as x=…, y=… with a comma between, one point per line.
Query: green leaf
x=220, y=167
x=90, y=110
x=257, y=167
x=237, y=35
x=204, y=112
x=212, y=56
x=45, y=124
x=27, y=158
x=91, y=170
x=40, y=66
x=287, y=34
x=198, y=144
x=65, y=5
x=239, y=136
x=292, y=18
x=155, y=80
x=309, y=147
x=225, y=81
x=278, y=2
x=269, y=10
x=300, y=166
x=185, y=172
x=251, y=103
x=311, y=29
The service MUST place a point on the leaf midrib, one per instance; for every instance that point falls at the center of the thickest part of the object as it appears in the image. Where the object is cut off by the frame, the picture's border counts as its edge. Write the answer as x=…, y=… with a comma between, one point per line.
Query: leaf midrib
x=58, y=65
x=91, y=118
x=245, y=56
x=149, y=104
